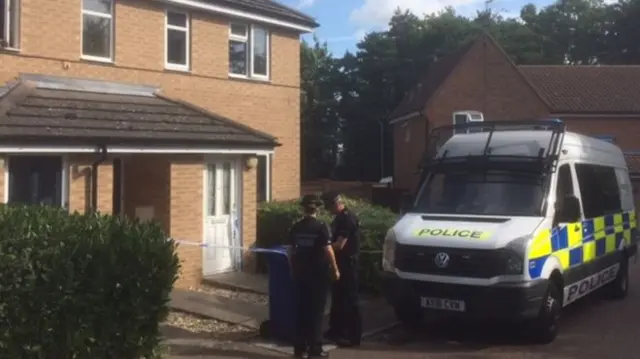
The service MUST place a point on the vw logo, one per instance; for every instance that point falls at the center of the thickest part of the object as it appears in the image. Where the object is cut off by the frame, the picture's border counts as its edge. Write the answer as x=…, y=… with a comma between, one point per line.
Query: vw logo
x=441, y=260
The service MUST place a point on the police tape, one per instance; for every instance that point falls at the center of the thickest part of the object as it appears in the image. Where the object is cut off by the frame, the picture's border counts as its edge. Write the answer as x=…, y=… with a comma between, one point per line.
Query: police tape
x=240, y=248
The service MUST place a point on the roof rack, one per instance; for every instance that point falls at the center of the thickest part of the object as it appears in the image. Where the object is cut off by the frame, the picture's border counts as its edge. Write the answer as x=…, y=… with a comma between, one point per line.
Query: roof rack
x=547, y=158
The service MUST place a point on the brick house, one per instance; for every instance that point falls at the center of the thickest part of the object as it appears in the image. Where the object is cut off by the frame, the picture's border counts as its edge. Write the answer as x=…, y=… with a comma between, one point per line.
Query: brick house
x=480, y=82
x=184, y=111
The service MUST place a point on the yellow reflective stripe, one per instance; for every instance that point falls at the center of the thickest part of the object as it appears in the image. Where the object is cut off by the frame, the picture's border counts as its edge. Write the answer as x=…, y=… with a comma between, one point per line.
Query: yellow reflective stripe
x=541, y=245
x=627, y=236
x=589, y=251
x=589, y=235
x=574, y=234
x=598, y=227
x=563, y=257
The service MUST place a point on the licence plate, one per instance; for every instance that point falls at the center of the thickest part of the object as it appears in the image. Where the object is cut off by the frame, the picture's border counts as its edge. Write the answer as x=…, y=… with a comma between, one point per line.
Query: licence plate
x=442, y=304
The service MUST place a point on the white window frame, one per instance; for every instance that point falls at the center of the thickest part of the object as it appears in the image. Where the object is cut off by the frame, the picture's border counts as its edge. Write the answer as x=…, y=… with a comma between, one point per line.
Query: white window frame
x=11, y=30
x=111, y=32
x=469, y=118
x=64, y=173
x=187, y=30
x=249, y=39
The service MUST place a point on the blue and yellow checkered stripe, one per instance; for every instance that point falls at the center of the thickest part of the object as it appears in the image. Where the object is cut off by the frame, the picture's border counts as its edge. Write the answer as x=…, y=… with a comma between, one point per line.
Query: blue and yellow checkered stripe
x=581, y=242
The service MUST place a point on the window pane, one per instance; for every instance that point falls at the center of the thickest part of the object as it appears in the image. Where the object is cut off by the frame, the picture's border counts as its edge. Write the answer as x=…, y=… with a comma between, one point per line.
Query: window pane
x=598, y=189
x=226, y=188
x=177, y=19
x=176, y=47
x=260, y=51
x=211, y=190
x=239, y=30
x=238, y=57
x=101, y=6
x=96, y=36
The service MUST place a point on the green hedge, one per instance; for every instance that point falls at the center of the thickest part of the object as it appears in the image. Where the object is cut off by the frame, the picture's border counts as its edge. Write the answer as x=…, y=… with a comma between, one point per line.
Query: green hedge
x=275, y=220
x=81, y=286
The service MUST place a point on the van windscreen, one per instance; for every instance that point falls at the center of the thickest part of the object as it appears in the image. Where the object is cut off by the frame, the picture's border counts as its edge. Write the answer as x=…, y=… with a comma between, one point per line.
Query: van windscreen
x=490, y=192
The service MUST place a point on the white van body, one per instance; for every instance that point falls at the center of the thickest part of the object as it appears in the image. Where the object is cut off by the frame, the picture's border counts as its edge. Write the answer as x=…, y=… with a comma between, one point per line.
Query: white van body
x=498, y=249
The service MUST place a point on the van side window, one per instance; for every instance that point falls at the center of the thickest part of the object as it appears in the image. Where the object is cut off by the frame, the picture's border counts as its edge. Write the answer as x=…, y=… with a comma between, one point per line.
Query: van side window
x=598, y=189
x=565, y=182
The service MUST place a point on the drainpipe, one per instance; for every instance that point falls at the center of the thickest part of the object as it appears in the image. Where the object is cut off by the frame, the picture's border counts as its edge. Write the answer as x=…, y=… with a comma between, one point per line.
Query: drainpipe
x=94, y=177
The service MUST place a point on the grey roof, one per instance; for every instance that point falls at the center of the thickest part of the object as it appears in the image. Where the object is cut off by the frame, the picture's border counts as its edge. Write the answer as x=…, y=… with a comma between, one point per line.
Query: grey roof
x=46, y=108
x=270, y=7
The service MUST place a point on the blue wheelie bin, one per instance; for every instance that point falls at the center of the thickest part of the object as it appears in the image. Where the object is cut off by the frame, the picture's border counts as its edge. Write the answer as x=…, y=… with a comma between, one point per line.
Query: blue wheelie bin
x=281, y=323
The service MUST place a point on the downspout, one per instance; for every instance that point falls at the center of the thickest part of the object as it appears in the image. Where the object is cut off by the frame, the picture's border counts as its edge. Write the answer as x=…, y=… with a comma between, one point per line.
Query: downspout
x=94, y=177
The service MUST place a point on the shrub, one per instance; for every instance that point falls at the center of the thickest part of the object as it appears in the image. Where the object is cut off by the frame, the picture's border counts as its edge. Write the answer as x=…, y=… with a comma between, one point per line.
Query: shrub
x=81, y=286
x=275, y=220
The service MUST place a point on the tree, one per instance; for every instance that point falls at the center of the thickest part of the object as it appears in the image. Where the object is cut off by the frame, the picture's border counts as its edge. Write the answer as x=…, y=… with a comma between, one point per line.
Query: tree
x=318, y=107
x=352, y=97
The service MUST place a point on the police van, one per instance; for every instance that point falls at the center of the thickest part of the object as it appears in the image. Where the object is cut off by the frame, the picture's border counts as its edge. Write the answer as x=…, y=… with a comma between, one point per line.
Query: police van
x=512, y=221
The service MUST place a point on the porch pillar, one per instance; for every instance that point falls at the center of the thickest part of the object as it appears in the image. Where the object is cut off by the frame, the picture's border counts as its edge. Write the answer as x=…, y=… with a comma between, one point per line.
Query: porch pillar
x=249, y=216
x=186, y=215
x=105, y=187
x=80, y=185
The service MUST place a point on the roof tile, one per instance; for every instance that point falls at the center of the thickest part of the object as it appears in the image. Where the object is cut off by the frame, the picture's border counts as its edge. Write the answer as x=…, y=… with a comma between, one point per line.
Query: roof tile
x=32, y=112
x=587, y=89
x=270, y=7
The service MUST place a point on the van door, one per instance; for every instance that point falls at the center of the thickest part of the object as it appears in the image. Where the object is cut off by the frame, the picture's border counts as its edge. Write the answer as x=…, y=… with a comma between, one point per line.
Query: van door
x=568, y=242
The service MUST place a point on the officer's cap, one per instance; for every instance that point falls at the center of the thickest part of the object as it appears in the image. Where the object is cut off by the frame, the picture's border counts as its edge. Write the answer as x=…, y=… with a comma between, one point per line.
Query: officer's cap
x=311, y=201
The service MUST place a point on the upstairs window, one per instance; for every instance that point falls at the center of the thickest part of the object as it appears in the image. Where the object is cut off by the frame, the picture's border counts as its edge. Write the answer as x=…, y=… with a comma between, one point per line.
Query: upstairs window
x=177, y=41
x=248, y=51
x=9, y=24
x=97, y=29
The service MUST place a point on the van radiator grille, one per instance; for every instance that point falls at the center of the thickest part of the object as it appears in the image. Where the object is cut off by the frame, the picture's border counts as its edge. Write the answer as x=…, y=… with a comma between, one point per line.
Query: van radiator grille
x=473, y=263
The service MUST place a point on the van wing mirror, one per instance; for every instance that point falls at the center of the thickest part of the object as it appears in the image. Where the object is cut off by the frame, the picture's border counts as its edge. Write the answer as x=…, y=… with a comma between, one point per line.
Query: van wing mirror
x=568, y=210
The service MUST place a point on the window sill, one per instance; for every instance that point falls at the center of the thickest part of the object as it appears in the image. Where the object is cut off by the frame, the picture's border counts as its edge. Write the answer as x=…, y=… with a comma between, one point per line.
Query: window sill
x=10, y=49
x=103, y=60
x=249, y=78
x=177, y=68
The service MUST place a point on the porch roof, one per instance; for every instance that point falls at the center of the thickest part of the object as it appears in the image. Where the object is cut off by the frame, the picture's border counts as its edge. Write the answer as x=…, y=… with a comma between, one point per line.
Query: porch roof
x=45, y=109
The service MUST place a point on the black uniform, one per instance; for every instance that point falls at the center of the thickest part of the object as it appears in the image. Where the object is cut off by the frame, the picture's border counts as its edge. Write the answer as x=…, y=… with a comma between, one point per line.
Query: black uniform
x=309, y=237
x=346, y=318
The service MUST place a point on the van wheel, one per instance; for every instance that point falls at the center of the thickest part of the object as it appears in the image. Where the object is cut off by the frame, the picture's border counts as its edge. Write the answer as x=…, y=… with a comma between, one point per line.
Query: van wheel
x=544, y=328
x=619, y=288
x=409, y=316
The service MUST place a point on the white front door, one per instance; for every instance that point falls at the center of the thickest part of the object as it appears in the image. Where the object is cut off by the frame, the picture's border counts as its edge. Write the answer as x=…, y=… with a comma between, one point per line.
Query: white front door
x=220, y=216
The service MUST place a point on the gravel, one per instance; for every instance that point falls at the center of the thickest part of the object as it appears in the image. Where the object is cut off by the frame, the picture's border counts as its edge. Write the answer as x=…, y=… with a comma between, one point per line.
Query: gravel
x=213, y=328
x=253, y=298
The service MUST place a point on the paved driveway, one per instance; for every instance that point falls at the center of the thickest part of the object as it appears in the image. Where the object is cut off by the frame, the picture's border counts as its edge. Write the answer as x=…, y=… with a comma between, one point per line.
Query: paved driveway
x=593, y=328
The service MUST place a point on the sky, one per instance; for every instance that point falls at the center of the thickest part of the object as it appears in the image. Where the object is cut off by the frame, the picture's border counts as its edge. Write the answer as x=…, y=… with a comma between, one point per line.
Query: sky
x=344, y=22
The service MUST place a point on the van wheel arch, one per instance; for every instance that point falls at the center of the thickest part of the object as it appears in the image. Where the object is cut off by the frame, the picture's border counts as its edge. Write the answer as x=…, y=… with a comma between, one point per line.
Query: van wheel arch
x=544, y=328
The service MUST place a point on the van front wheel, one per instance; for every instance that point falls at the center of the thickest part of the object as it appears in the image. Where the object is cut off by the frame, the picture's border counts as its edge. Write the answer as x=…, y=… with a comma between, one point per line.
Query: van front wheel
x=544, y=328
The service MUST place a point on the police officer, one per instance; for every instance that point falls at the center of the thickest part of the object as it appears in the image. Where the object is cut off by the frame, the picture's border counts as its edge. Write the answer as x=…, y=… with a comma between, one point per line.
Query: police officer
x=345, y=322
x=312, y=263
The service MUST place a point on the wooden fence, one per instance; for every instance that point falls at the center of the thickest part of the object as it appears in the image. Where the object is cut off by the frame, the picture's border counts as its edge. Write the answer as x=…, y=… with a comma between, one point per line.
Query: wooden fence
x=368, y=191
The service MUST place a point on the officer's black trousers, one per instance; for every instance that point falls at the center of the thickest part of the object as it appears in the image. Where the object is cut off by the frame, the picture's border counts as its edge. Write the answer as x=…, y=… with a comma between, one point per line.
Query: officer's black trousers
x=345, y=320
x=311, y=296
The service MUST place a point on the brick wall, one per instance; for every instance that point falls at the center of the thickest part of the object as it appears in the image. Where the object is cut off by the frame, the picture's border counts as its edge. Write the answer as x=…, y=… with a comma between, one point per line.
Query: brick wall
x=486, y=81
x=51, y=45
